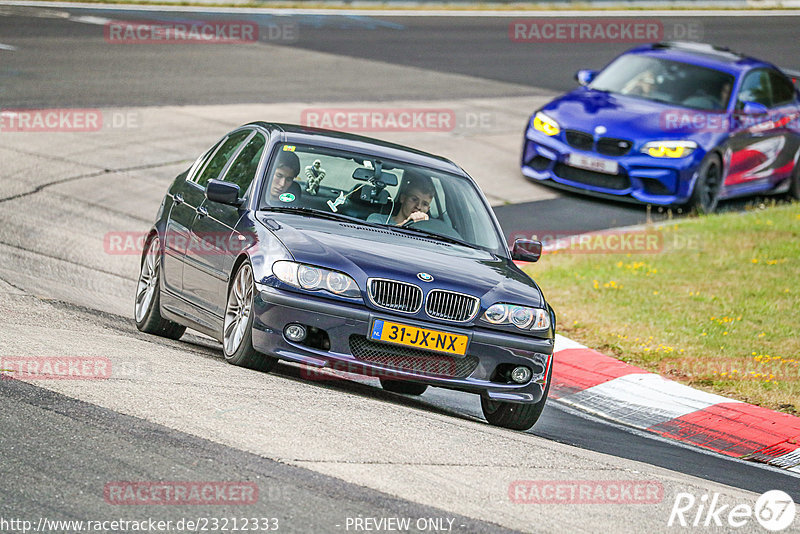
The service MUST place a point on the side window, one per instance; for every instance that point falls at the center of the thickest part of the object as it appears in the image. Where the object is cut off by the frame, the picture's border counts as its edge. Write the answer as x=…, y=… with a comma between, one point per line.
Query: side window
x=243, y=169
x=217, y=162
x=782, y=89
x=200, y=162
x=755, y=88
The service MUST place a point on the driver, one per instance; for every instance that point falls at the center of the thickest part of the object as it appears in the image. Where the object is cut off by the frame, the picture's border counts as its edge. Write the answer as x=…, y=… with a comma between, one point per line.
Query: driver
x=414, y=199
x=283, y=186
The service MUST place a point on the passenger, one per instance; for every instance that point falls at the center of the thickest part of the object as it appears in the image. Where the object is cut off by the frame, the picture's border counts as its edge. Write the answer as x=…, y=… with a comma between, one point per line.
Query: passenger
x=286, y=170
x=413, y=199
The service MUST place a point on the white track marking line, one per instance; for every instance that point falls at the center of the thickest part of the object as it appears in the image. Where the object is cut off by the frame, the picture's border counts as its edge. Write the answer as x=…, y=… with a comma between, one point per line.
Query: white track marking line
x=10, y=48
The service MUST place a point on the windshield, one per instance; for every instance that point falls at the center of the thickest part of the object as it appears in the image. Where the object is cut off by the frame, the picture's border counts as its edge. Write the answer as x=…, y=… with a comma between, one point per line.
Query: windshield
x=380, y=192
x=666, y=81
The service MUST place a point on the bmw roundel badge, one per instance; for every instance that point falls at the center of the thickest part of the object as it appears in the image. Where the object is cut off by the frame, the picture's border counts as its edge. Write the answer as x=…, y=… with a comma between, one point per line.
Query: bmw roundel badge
x=425, y=277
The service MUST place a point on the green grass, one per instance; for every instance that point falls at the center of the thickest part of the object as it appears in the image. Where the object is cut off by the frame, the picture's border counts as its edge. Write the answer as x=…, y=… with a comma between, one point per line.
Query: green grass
x=717, y=307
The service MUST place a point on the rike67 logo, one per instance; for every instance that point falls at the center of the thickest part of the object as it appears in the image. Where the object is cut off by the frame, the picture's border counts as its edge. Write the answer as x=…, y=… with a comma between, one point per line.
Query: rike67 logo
x=774, y=510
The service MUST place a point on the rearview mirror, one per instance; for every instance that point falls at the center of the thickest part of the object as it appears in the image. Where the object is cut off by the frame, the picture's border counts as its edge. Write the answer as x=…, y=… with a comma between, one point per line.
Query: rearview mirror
x=364, y=175
x=585, y=76
x=223, y=192
x=526, y=250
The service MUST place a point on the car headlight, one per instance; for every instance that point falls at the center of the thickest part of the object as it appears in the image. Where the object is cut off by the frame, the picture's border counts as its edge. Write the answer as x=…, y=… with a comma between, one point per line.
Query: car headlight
x=545, y=124
x=523, y=317
x=669, y=149
x=313, y=278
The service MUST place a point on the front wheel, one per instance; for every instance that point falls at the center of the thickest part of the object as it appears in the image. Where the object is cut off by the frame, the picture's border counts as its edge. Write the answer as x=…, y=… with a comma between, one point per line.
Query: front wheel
x=514, y=415
x=147, y=313
x=706, y=189
x=237, y=330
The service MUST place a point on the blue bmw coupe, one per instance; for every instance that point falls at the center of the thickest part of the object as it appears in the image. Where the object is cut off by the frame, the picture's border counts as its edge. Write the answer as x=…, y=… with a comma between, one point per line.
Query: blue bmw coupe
x=672, y=124
x=344, y=252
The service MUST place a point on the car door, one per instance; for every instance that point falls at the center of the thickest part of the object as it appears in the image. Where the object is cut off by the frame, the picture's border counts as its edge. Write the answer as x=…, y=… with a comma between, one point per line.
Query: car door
x=193, y=201
x=758, y=142
x=215, y=245
x=179, y=221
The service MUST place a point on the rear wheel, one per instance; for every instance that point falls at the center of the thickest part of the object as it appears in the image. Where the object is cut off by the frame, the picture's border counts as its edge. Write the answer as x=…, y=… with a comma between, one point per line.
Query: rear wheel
x=147, y=313
x=237, y=331
x=794, y=182
x=514, y=415
x=706, y=189
x=404, y=387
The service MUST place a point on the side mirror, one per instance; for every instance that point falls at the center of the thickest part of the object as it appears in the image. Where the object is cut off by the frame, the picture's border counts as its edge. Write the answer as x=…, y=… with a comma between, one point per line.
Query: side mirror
x=754, y=108
x=585, y=76
x=526, y=250
x=223, y=192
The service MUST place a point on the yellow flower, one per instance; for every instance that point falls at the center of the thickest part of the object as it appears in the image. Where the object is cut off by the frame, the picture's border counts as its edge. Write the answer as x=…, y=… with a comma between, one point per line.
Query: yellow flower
x=703, y=334
x=754, y=260
x=762, y=334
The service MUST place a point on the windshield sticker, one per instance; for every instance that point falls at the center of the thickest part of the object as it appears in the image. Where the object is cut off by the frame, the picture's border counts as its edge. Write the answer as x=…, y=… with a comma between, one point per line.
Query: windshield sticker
x=288, y=148
x=286, y=197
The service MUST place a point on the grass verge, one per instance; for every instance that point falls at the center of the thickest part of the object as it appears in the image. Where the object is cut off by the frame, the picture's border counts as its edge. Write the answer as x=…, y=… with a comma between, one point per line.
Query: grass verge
x=712, y=302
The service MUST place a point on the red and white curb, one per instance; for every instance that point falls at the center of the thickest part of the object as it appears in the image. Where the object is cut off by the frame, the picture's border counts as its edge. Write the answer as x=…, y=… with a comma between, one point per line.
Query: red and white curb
x=593, y=382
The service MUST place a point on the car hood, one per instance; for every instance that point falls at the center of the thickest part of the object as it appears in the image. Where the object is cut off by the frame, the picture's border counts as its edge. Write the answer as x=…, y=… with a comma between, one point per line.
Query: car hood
x=364, y=251
x=624, y=117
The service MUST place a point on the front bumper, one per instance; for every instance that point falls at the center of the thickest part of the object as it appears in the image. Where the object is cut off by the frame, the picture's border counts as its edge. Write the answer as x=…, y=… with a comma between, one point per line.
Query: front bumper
x=640, y=177
x=348, y=326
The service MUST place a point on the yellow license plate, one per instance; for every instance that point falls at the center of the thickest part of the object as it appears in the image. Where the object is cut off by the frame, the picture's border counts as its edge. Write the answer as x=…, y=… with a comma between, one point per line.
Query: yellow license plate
x=421, y=338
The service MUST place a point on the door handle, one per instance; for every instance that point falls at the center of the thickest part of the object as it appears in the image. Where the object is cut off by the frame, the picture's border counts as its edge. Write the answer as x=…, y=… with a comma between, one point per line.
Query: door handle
x=201, y=211
x=178, y=199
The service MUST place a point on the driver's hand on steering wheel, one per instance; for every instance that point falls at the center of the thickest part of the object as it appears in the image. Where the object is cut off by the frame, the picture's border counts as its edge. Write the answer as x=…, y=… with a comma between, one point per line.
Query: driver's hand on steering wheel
x=415, y=217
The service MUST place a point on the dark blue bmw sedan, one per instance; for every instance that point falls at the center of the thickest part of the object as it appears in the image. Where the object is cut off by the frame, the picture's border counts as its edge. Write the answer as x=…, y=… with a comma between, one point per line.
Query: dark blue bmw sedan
x=672, y=124
x=343, y=252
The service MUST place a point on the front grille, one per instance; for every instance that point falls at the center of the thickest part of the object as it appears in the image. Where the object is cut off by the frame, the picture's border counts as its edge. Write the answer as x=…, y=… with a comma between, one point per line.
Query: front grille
x=605, y=145
x=598, y=179
x=393, y=295
x=613, y=147
x=539, y=163
x=451, y=306
x=655, y=187
x=413, y=360
x=578, y=139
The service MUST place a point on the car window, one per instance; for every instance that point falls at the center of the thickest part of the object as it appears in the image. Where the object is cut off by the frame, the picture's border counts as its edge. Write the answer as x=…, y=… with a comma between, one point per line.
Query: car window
x=334, y=181
x=662, y=80
x=217, y=163
x=755, y=88
x=782, y=89
x=243, y=169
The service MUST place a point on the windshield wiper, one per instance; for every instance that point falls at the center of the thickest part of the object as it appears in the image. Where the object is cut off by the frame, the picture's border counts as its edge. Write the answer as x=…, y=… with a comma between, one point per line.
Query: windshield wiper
x=434, y=235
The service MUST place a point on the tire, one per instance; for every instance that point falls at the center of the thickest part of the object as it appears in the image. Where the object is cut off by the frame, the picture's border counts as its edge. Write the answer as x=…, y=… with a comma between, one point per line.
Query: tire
x=404, y=387
x=794, y=183
x=705, y=195
x=237, y=330
x=147, y=304
x=514, y=415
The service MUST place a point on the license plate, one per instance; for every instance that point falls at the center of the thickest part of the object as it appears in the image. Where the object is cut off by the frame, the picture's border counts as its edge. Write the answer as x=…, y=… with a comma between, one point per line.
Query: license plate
x=421, y=338
x=606, y=166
